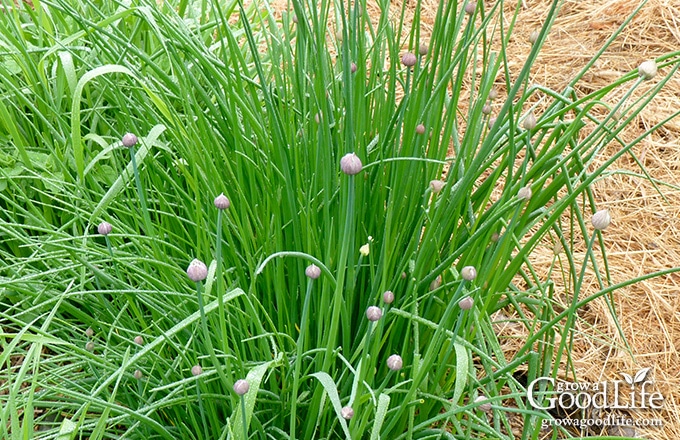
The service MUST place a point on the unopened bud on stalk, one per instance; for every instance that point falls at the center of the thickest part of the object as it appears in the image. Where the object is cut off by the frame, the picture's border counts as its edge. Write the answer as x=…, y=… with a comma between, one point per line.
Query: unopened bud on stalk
x=350, y=164
x=197, y=270
x=353, y=67
x=491, y=122
x=104, y=228
x=347, y=412
x=89, y=346
x=241, y=387
x=466, y=303
x=295, y=19
x=364, y=250
x=409, y=59
x=468, y=273
x=420, y=129
x=436, y=283
x=388, y=297
x=222, y=202
x=138, y=374
x=647, y=70
x=139, y=340
x=395, y=362
x=495, y=236
x=423, y=49
x=313, y=271
x=437, y=186
x=601, y=220
x=196, y=370
x=493, y=94
x=524, y=193
x=485, y=405
x=373, y=313
x=533, y=37
x=470, y=8
x=129, y=140
x=486, y=109
x=89, y=332
x=529, y=121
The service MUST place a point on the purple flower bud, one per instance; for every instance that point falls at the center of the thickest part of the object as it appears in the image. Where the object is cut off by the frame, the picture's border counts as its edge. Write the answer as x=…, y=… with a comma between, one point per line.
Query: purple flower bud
x=197, y=270
x=222, y=202
x=395, y=362
x=388, y=297
x=129, y=140
x=373, y=313
x=409, y=59
x=437, y=186
x=423, y=49
x=138, y=374
x=350, y=164
x=241, y=387
x=524, y=193
x=468, y=273
x=470, y=8
x=353, y=67
x=139, y=340
x=420, y=129
x=196, y=370
x=89, y=332
x=104, y=228
x=466, y=303
x=89, y=346
x=347, y=412
x=313, y=271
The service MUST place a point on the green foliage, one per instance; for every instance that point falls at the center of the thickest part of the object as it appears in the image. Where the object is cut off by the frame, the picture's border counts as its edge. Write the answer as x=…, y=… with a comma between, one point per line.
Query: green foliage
x=226, y=98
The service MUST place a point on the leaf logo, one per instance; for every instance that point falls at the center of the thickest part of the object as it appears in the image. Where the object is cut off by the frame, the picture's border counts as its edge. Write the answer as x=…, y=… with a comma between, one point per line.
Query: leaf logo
x=639, y=377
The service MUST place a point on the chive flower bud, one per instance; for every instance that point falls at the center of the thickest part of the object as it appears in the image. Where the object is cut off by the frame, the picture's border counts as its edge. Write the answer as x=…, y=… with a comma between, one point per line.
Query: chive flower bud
x=647, y=70
x=138, y=374
x=89, y=332
x=129, y=140
x=423, y=49
x=437, y=186
x=485, y=405
x=373, y=313
x=197, y=270
x=139, y=340
x=486, y=109
x=493, y=94
x=365, y=249
x=466, y=303
x=350, y=164
x=533, y=37
x=347, y=412
x=468, y=273
x=436, y=283
x=196, y=370
x=241, y=387
x=295, y=19
x=409, y=59
x=388, y=297
x=313, y=271
x=89, y=346
x=524, y=193
x=353, y=67
x=222, y=202
x=601, y=220
x=470, y=8
x=491, y=122
x=495, y=236
x=529, y=121
x=420, y=129
x=104, y=228
x=395, y=362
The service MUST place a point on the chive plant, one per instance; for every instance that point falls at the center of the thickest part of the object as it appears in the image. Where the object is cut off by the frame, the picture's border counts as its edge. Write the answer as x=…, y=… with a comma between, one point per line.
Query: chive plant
x=357, y=173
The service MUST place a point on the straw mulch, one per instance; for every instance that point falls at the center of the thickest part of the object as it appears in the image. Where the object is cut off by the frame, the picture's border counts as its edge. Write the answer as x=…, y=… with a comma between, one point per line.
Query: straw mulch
x=645, y=231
